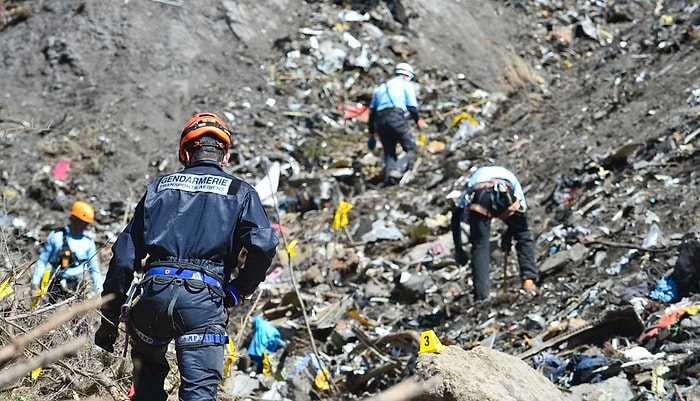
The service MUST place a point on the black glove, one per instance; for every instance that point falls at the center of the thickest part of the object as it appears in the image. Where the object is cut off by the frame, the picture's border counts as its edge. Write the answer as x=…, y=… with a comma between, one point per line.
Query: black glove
x=371, y=142
x=506, y=242
x=461, y=256
x=106, y=335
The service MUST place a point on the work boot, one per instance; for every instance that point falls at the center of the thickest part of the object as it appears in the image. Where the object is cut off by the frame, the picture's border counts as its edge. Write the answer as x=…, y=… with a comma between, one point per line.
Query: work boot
x=529, y=287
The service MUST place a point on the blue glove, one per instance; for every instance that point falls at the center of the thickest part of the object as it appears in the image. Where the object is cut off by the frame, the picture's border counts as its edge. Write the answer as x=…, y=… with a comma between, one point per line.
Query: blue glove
x=371, y=142
x=232, y=298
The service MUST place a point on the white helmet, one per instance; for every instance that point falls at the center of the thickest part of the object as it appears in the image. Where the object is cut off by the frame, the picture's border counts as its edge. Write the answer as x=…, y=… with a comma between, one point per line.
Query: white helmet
x=404, y=69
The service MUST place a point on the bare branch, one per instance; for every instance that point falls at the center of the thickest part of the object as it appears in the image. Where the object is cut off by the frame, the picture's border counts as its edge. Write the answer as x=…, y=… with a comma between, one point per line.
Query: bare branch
x=14, y=373
x=13, y=349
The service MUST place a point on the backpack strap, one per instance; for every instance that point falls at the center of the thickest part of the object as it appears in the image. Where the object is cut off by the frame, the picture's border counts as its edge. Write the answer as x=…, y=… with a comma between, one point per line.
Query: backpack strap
x=66, y=257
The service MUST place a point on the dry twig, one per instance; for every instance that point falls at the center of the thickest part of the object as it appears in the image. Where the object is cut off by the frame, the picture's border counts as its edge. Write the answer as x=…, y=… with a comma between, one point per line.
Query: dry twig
x=16, y=347
x=17, y=371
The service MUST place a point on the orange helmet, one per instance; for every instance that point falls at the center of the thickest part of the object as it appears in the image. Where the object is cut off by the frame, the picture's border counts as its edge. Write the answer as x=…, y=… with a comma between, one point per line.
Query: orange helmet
x=202, y=124
x=83, y=211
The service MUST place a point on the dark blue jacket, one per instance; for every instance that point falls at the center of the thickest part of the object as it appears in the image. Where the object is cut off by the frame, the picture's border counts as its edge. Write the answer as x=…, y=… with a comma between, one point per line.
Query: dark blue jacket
x=202, y=216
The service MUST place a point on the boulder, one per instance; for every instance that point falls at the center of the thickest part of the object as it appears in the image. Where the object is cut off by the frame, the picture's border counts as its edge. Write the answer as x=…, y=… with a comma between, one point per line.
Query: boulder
x=483, y=374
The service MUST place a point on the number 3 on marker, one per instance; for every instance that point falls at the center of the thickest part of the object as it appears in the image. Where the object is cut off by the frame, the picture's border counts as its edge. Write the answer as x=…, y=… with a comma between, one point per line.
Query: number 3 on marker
x=427, y=340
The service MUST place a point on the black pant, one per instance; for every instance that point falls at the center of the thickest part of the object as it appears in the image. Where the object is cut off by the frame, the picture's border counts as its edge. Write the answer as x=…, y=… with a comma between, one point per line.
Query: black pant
x=393, y=128
x=480, y=230
x=170, y=308
x=64, y=287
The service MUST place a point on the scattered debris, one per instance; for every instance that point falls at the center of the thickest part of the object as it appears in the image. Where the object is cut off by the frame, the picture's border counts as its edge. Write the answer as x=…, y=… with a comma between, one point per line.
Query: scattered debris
x=605, y=147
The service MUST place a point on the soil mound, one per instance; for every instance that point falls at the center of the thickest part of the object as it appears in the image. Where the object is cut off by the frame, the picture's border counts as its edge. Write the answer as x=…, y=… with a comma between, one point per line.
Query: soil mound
x=483, y=374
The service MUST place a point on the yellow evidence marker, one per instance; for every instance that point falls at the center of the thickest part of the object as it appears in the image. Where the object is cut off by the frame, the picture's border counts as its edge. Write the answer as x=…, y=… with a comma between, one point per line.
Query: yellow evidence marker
x=430, y=343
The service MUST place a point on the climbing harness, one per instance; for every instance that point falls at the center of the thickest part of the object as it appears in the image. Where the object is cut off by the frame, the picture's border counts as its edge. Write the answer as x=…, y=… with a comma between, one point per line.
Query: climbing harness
x=181, y=273
x=494, y=195
x=174, y=274
x=183, y=340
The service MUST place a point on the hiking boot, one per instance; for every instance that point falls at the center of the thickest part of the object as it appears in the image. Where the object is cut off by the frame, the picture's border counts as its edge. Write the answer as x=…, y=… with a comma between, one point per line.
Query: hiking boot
x=529, y=286
x=391, y=181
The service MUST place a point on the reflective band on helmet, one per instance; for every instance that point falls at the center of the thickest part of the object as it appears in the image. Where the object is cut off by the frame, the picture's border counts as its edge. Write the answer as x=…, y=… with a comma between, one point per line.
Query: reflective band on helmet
x=191, y=133
x=202, y=124
x=491, y=184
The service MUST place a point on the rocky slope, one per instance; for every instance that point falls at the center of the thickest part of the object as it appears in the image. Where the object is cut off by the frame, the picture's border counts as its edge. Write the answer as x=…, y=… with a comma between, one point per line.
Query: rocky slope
x=595, y=106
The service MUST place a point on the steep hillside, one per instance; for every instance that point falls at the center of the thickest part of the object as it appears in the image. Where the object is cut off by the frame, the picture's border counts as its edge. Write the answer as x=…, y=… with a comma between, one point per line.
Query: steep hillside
x=595, y=106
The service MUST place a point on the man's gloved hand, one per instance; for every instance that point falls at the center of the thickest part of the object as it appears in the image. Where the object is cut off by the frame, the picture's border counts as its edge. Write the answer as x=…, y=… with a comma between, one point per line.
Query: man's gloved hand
x=371, y=142
x=461, y=256
x=106, y=335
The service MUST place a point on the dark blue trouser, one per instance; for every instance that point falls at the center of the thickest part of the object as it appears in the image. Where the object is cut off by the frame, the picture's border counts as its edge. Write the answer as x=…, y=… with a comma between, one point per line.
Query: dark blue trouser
x=394, y=128
x=480, y=230
x=169, y=308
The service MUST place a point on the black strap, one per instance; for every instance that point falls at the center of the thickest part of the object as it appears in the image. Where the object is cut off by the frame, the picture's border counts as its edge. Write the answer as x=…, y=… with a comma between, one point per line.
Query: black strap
x=386, y=84
x=205, y=124
x=73, y=261
x=174, y=292
x=65, y=246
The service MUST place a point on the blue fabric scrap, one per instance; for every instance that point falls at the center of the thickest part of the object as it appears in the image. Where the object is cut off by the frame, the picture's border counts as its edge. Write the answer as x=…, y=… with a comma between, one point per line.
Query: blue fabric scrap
x=267, y=338
x=666, y=290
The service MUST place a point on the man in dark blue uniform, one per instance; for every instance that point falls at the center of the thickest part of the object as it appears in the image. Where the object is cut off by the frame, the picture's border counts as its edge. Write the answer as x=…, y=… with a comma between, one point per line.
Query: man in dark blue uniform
x=191, y=226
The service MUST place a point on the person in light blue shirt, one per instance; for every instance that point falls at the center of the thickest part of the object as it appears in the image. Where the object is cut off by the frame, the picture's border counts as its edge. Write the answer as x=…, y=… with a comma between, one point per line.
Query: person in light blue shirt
x=494, y=191
x=392, y=101
x=68, y=253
